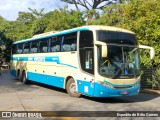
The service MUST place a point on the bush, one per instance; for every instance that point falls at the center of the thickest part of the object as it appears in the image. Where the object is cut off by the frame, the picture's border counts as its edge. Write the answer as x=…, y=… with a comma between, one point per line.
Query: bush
x=156, y=78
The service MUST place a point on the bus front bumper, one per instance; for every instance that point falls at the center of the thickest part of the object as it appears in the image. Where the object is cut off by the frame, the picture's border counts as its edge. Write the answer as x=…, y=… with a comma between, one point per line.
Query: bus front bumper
x=103, y=91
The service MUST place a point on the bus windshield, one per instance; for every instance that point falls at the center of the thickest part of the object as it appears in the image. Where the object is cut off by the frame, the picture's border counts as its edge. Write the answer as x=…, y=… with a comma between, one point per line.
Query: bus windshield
x=122, y=60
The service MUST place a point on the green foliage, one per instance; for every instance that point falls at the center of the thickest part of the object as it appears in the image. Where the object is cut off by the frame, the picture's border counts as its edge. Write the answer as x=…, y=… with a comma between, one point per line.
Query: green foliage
x=37, y=14
x=155, y=81
x=90, y=15
x=25, y=18
x=156, y=78
x=39, y=26
x=63, y=19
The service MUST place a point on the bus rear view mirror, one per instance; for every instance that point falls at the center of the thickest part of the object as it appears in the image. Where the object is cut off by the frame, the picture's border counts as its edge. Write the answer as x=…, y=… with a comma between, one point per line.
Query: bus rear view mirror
x=152, y=51
x=104, y=48
x=104, y=51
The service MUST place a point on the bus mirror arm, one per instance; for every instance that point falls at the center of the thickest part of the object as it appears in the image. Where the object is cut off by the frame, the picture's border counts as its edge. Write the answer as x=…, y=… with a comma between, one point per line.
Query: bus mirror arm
x=104, y=48
x=152, y=50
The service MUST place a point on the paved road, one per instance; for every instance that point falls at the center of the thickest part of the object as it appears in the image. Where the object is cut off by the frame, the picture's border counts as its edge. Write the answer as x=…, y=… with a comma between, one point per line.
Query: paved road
x=15, y=96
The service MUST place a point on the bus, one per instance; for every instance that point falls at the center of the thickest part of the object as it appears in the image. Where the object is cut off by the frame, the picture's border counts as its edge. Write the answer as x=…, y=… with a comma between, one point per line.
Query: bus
x=96, y=61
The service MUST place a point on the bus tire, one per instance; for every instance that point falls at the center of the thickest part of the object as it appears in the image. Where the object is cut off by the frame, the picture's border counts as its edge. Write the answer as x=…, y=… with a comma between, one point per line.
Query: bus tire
x=24, y=79
x=19, y=76
x=71, y=88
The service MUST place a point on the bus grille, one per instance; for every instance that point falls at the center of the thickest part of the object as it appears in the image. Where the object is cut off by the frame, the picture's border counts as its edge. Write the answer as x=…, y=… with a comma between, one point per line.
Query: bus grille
x=122, y=87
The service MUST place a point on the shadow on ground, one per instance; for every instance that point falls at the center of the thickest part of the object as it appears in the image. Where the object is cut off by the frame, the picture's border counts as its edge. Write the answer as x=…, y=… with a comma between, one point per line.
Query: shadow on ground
x=142, y=97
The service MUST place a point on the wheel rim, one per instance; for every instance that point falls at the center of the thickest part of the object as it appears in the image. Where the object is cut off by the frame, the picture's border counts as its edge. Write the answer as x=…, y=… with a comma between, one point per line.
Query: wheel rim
x=73, y=88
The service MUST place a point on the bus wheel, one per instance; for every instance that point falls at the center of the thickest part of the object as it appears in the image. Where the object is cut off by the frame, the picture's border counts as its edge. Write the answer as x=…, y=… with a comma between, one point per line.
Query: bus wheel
x=24, y=79
x=71, y=88
x=19, y=76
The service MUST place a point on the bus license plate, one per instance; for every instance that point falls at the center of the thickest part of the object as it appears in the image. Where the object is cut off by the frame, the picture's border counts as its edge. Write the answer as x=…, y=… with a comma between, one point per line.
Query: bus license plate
x=124, y=93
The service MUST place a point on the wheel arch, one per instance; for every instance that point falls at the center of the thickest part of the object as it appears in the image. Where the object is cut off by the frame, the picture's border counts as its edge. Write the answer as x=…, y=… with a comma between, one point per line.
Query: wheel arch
x=66, y=80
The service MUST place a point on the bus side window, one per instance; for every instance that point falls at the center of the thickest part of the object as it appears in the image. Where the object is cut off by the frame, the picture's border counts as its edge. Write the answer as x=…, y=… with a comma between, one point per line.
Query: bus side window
x=86, y=51
x=34, y=47
x=69, y=42
x=55, y=44
x=43, y=47
x=26, y=48
x=19, y=48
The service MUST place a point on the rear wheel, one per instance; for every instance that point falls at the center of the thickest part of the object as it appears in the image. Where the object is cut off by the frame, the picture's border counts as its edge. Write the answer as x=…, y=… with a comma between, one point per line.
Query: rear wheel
x=71, y=88
x=19, y=75
x=24, y=79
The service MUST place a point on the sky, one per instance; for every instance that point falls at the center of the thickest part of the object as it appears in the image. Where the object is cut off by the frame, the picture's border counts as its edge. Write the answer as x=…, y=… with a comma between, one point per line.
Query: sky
x=9, y=8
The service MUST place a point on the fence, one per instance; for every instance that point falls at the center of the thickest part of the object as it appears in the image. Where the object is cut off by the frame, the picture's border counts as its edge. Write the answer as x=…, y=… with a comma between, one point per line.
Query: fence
x=146, y=76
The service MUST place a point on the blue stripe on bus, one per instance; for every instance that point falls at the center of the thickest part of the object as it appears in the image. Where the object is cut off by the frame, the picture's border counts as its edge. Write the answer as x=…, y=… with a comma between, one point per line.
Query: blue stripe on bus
x=46, y=79
x=54, y=34
x=42, y=59
x=85, y=87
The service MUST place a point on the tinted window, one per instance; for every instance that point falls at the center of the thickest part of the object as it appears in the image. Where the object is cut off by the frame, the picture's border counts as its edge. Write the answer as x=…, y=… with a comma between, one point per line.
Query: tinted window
x=86, y=39
x=26, y=48
x=69, y=42
x=55, y=44
x=86, y=51
x=43, y=46
x=19, y=48
x=116, y=37
x=34, y=46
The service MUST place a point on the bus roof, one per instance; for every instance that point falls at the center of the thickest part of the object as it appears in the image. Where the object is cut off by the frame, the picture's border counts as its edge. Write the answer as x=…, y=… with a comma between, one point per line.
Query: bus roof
x=90, y=27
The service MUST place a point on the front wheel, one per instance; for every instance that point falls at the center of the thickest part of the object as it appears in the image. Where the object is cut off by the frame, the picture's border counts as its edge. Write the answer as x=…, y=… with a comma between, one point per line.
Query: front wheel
x=71, y=88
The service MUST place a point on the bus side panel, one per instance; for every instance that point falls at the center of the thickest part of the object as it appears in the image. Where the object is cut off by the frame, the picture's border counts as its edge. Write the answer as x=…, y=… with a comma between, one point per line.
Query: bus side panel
x=46, y=79
x=16, y=64
x=85, y=87
x=48, y=72
x=70, y=68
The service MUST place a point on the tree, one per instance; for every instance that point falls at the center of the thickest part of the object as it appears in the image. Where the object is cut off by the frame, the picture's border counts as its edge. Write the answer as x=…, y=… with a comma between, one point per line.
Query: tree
x=62, y=19
x=25, y=17
x=92, y=4
x=36, y=13
x=39, y=26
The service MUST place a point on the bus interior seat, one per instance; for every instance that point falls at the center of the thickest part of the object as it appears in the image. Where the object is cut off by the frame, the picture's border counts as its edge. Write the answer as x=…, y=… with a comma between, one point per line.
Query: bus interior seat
x=66, y=47
x=26, y=50
x=19, y=51
x=55, y=48
x=34, y=50
x=45, y=49
x=73, y=46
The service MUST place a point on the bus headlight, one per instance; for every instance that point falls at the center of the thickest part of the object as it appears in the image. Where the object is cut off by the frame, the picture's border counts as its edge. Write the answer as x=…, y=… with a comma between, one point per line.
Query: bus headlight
x=105, y=84
x=136, y=84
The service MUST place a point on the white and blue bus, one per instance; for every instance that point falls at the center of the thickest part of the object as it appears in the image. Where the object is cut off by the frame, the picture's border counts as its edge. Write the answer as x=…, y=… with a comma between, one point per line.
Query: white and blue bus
x=97, y=61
